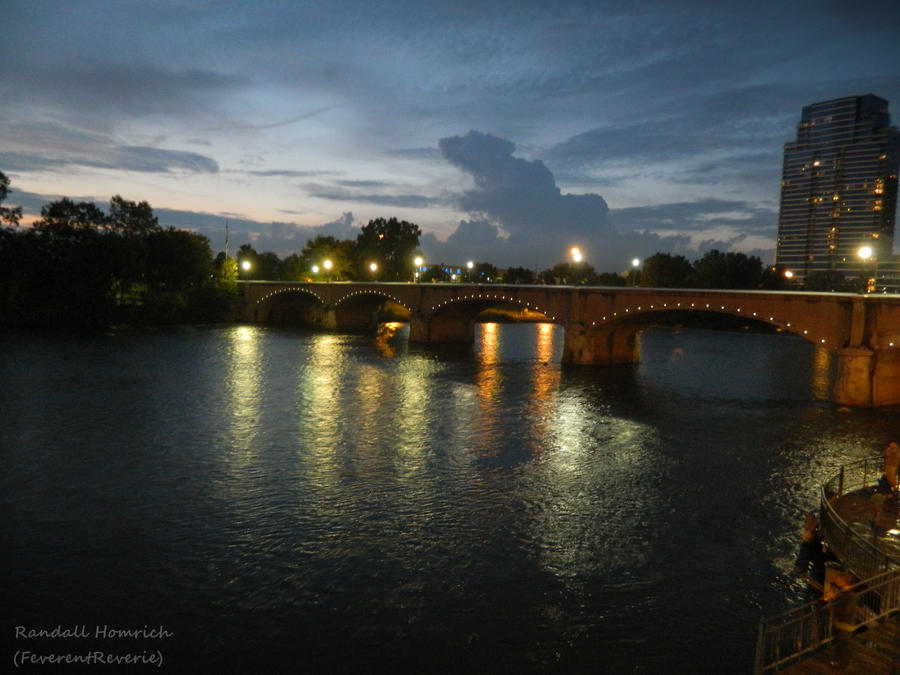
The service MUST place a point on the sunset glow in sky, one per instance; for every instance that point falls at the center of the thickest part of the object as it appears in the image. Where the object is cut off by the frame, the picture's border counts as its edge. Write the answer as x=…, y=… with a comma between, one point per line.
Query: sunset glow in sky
x=508, y=131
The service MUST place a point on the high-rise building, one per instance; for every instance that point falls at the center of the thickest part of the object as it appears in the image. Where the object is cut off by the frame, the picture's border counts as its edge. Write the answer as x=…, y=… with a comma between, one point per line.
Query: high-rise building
x=839, y=190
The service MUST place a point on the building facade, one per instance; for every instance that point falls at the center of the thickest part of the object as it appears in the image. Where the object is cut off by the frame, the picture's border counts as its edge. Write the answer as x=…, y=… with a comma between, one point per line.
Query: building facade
x=839, y=193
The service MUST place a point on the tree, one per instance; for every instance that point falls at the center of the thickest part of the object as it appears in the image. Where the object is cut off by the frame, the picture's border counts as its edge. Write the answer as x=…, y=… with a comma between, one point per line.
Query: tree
x=391, y=244
x=728, y=270
x=131, y=217
x=225, y=268
x=248, y=262
x=269, y=266
x=293, y=267
x=518, y=275
x=485, y=273
x=829, y=281
x=322, y=249
x=570, y=274
x=609, y=279
x=177, y=260
x=664, y=270
x=65, y=216
x=8, y=215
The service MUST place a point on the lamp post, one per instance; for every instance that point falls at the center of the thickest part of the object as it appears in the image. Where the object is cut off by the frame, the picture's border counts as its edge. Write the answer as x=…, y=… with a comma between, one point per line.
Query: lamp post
x=635, y=263
x=470, y=266
x=576, y=254
x=418, y=261
x=373, y=268
x=865, y=252
x=245, y=266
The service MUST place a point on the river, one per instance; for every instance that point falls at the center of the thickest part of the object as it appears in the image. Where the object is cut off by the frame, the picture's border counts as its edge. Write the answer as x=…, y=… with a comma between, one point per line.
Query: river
x=253, y=499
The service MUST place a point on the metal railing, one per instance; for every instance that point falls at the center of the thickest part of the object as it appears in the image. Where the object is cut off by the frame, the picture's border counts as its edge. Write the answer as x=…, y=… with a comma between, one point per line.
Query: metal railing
x=786, y=638
x=858, y=555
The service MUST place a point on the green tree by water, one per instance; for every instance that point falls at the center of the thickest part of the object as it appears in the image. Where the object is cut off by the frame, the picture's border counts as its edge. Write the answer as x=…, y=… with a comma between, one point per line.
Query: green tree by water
x=391, y=244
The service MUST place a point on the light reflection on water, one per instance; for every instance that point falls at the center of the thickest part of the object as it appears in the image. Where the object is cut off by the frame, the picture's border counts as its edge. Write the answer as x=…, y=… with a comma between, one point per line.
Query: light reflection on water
x=342, y=501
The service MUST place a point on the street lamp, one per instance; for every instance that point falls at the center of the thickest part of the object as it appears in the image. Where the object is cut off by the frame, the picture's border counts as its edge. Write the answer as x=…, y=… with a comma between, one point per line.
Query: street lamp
x=635, y=263
x=417, y=261
x=865, y=252
x=576, y=254
x=245, y=265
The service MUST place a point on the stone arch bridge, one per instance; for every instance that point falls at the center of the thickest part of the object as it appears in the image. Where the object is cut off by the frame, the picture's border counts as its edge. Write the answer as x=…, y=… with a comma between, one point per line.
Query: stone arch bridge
x=602, y=323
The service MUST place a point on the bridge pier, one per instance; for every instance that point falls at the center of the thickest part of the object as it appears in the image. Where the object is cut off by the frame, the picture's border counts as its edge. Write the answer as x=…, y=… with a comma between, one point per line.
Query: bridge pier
x=437, y=329
x=867, y=377
x=601, y=346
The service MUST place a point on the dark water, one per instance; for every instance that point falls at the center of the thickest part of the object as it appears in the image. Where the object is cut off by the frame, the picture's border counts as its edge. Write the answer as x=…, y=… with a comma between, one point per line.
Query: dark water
x=277, y=501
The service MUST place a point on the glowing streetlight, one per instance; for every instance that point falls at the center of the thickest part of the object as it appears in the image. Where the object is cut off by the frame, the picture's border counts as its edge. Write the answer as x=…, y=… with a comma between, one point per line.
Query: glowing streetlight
x=373, y=267
x=866, y=253
x=417, y=261
x=788, y=275
x=635, y=264
x=326, y=264
x=315, y=269
x=576, y=254
x=245, y=265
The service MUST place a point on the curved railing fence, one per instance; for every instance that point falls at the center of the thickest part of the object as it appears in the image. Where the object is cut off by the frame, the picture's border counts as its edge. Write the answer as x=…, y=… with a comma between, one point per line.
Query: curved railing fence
x=850, y=544
x=786, y=638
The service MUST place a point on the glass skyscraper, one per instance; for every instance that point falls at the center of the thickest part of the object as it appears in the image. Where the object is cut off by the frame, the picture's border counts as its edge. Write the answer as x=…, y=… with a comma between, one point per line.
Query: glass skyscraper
x=839, y=190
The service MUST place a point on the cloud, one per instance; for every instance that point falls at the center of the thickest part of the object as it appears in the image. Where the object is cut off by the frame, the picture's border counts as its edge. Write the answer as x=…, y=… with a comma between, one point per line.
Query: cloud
x=48, y=146
x=522, y=218
x=518, y=195
x=363, y=191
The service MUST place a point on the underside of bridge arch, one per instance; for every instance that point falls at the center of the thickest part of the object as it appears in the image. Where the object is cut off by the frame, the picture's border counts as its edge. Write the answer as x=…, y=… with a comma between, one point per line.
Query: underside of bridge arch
x=363, y=312
x=455, y=322
x=617, y=342
x=289, y=309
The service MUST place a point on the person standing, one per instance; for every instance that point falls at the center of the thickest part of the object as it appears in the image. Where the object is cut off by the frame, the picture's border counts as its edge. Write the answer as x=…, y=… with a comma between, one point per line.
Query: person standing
x=843, y=618
x=891, y=462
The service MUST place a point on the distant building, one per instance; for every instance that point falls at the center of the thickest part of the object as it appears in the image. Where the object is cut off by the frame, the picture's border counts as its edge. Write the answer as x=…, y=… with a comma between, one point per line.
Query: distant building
x=839, y=191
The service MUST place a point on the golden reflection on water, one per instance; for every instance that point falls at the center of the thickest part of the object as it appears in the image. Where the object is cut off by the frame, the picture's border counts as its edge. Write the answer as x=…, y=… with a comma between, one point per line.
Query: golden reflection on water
x=318, y=399
x=384, y=338
x=546, y=370
x=243, y=385
x=488, y=377
x=820, y=380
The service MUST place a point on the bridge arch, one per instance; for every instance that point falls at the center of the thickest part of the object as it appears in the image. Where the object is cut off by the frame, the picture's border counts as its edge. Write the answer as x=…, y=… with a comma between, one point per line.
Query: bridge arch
x=614, y=337
x=453, y=319
x=361, y=310
x=290, y=305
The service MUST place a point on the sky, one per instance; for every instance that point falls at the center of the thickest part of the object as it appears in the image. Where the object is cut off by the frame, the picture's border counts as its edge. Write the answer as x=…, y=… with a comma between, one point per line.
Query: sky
x=508, y=131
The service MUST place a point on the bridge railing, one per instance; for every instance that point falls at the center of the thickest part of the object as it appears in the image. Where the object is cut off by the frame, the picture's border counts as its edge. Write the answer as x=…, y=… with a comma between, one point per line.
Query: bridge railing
x=786, y=638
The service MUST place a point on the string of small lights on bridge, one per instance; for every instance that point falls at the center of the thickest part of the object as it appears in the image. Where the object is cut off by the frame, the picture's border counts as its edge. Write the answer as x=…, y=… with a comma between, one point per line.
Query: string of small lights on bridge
x=632, y=310
x=535, y=308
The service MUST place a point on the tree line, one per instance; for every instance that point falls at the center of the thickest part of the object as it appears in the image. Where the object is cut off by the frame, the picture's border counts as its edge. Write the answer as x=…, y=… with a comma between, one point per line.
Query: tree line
x=77, y=265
